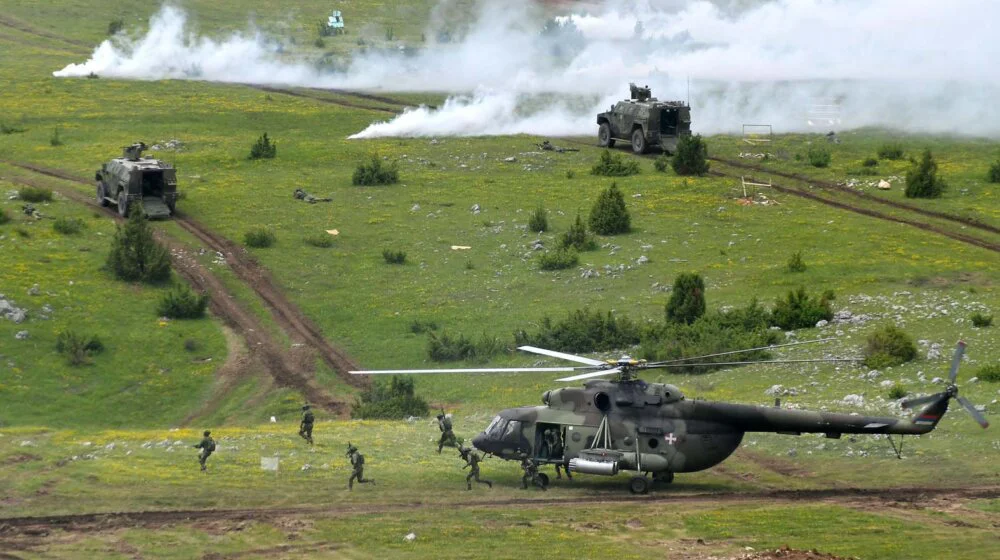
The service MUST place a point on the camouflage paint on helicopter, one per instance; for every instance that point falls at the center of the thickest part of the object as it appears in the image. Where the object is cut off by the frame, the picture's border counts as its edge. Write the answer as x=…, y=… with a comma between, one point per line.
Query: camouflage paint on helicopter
x=629, y=424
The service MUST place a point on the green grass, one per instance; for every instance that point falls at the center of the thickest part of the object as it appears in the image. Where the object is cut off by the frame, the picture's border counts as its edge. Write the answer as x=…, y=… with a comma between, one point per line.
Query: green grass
x=144, y=377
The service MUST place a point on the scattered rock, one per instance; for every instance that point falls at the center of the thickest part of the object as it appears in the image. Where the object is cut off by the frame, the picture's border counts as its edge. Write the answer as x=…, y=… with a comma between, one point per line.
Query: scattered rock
x=410, y=537
x=34, y=290
x=475, y=209
x=21, y=335
x=853, y=400
x=642, y=260
x=414, y=208
x=822, y=323
x=510, y=159
x=11, y=312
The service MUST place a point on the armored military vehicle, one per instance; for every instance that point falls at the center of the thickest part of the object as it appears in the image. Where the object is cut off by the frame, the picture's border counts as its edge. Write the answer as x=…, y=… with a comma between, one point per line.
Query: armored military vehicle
x=644, y=121
x=124, y=181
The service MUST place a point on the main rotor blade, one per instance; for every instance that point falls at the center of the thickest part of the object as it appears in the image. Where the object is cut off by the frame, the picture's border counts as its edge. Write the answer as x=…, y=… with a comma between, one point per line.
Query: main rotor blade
x=601, y=373
x=746, y=350
x=912, y=403
x=663, y=365
x=976, y=415
x=462, y=370
x=956, y=360
x=561, y=355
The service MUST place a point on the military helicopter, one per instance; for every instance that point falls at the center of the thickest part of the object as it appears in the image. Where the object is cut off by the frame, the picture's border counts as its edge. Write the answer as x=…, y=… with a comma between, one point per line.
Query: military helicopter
x=652, y=429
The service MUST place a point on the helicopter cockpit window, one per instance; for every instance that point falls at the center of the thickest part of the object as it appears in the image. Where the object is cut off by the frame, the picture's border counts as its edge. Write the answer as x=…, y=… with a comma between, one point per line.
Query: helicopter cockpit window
x=496, y=428
x=513, y=431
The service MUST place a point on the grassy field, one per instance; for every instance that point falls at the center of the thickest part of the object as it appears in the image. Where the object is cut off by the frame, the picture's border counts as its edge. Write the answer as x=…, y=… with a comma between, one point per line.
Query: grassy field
x=105, y=437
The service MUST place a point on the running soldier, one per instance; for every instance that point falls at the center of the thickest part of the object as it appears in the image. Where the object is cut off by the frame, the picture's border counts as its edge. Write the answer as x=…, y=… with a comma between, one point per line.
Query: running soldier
x=207, y=447
x=530, y=473
x=306, y=426
x=447, y=435
x=472, y=460
x=358, y=466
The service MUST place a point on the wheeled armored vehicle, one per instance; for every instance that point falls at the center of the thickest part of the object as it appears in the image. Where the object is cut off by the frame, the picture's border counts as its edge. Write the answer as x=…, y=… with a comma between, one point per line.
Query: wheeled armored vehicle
x=645, y=122
x=132, y=178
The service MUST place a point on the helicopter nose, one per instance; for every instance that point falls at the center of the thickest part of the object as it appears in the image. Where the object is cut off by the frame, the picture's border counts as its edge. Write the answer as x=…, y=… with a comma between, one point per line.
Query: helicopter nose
x=479, y=442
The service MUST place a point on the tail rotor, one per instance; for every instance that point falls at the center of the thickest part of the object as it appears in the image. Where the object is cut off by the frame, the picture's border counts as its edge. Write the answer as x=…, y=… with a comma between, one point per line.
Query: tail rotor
x=951, y=392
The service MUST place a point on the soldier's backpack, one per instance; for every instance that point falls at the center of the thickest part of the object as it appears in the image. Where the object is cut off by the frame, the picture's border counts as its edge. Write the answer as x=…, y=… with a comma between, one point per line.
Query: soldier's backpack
x=446, y=423
x=308, y=418
x=359, y=460
x=211, y=446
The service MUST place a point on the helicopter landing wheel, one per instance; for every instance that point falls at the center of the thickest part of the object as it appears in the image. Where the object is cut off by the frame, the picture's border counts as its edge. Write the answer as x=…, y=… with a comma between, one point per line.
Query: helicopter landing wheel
x=638, y=484
x=666, y=477
x=544, y=478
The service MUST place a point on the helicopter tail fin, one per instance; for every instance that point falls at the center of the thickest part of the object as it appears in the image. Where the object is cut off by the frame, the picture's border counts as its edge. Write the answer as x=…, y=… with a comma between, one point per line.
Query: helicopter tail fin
x=929, y=416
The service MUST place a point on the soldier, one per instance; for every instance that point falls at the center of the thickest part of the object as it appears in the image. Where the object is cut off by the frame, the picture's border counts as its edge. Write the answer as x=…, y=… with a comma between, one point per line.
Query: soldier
x=463, y=453
x=447, y=435
x=472, y=460
x=300, y=194
x=306, y=426
x=207, y=447
x=358, y=466
x=555, y=448
x=530, y=472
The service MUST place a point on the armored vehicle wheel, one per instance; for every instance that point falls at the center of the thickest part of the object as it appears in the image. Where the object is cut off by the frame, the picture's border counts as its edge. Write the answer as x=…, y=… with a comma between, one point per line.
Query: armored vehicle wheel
x=122, y=204
x=638, y=484
x=638, y=141
x=666, y=477
x=544, y=478
x=604, y=136
x=101, y=201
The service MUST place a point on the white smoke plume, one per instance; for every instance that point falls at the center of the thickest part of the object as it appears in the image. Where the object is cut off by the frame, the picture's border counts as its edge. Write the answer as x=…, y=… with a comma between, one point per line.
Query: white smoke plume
x=915, y=65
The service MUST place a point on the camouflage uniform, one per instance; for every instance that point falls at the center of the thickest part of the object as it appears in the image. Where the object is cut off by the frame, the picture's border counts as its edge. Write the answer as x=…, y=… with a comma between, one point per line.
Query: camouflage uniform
x=447, y=435
x=555, y=449
x=306, y=426
x=300, y=194
x=472, y=460
x=358, y=466
x=530, y=472
x=207, y=447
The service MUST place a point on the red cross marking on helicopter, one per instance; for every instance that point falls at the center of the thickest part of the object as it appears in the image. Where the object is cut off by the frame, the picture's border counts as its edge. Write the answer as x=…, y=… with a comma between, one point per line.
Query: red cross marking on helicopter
x=670, y=438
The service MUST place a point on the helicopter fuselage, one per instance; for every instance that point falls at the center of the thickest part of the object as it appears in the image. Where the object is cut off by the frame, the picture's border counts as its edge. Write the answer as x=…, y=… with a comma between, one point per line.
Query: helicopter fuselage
x=652, y=427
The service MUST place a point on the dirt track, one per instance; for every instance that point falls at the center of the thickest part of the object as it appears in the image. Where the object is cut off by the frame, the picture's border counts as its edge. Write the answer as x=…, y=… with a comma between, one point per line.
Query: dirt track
x=286, y=368
x=852, y=497
x=14, y=23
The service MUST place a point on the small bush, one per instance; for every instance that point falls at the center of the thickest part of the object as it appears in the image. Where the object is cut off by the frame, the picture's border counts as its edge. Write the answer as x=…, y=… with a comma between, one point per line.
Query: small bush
x=890, y=151
x=539, y=220
x=34, y=194
x=614, y=165
x=980, y=320
x=68, y=226
x=419, y=326
x=393, y=257
x=692, y=156
x=662, y=163
x=570, y=174
x=582, y=331
x=577, y=237
x=78, y=349
x=6, y=129
x=192, y=345
x=55, y=140
x=989, y=373
x=795, y=263
x=263, y=148
x=870, y=162
x=445, y=348
x=922, y=180
x=609, y=215
x=888, y=346
x=897, y=392
x=260, y=237
x=558, y=260
x=319, y=43
x=993, y=175
x=4, y=216
x=799, y=310
x=375, y=172
x=182, y=303
x=818, y=157
x=863, y=171
x=322, y=240
x=135, y=254
x=687, y=299
x=115, y=25
x=23, y=232
x=390, y=400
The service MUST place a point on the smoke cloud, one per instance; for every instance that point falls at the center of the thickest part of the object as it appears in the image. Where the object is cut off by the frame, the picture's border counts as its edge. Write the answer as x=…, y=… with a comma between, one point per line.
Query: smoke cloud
x=915, y=65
